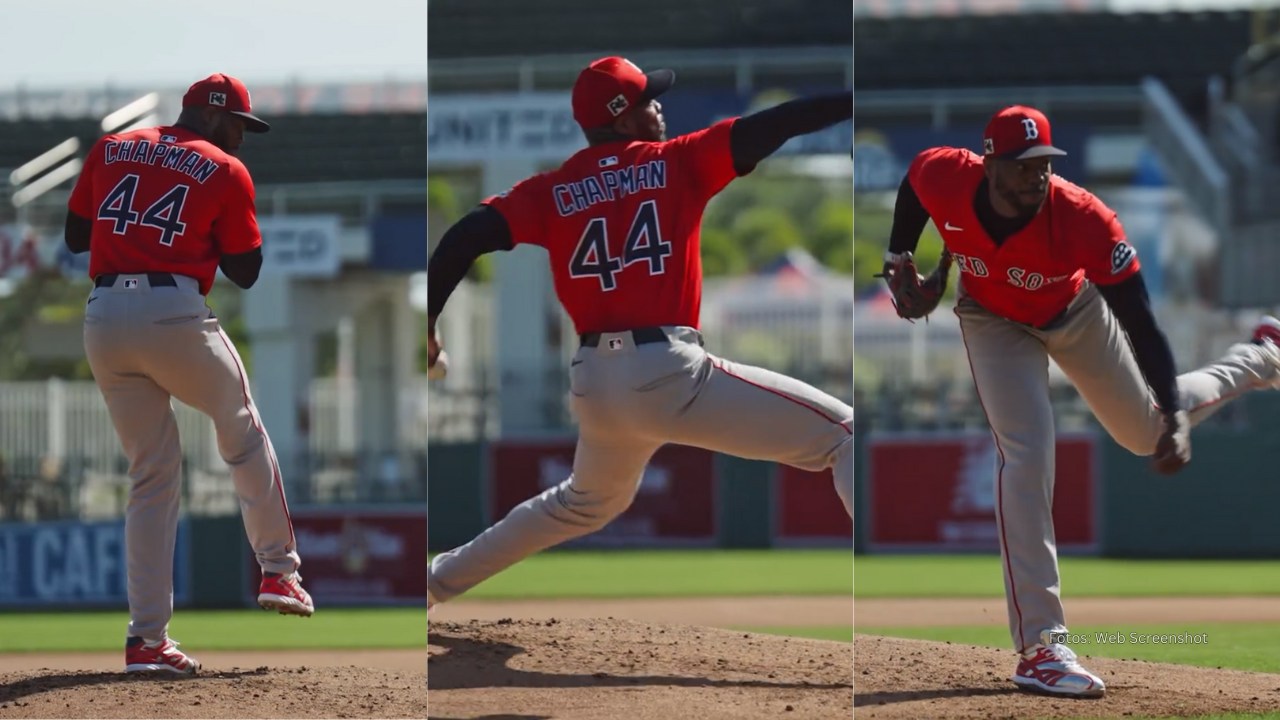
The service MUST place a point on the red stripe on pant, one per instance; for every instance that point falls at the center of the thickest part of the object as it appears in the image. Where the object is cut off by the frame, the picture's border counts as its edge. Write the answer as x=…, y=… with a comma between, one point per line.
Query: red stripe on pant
x=1004, y=545
x=846, y=424
x=266, y=441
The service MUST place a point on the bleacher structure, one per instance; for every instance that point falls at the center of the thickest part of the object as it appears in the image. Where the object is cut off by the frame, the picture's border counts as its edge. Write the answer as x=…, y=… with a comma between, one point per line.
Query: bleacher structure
x=465, y=28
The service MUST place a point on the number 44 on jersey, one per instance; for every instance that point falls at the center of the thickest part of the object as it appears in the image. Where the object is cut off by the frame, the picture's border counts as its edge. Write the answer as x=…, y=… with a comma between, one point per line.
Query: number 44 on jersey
x=591, y=259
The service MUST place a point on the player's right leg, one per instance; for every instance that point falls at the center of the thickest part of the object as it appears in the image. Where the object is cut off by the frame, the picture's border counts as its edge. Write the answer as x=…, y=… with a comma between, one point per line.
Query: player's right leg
x=1010, y=369
x=759, y=414
x=196, y=361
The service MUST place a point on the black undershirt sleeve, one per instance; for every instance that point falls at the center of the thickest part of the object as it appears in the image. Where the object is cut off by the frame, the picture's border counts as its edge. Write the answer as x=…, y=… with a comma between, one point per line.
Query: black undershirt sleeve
x=76, y=232
x=1131, y=305
x=483, y=230
x=242, y=268
x=756, y=136
x=909, y=219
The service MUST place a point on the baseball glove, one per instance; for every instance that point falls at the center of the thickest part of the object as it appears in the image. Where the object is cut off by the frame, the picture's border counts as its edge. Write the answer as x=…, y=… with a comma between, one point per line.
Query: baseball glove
x=914, y=297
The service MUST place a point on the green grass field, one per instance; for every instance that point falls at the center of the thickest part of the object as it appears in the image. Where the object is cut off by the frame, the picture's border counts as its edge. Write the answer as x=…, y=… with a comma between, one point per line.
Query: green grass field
x=565, y=574
x=1243, y=646
x=247, y=629
x=886, y=576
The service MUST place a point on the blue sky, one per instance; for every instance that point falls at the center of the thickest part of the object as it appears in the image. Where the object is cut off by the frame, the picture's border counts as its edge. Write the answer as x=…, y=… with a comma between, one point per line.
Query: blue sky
x=81, y=43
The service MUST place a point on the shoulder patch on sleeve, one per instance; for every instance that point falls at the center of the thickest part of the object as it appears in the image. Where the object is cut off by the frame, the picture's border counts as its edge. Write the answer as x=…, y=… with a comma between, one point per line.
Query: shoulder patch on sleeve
x=1122, y=256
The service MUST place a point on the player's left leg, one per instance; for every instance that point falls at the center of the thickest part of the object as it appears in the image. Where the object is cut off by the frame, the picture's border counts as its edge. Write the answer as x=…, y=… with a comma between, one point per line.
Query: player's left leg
x=759, y=414
x=607, y=468
x=144, y=421
x=1093, y=351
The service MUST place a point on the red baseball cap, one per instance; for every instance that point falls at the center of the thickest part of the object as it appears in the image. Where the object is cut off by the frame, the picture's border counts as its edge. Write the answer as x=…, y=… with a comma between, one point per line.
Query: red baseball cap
x=1018, y=132
x=223, y=91
x=613, y=85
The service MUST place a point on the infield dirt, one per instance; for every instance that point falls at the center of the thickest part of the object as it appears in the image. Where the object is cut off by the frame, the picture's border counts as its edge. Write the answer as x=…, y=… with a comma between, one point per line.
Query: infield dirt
x=537, y=660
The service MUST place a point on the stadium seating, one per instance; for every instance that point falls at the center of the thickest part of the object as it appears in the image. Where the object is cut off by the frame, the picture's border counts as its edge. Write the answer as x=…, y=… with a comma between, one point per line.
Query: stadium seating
x=1087, y=49
x=465, y=28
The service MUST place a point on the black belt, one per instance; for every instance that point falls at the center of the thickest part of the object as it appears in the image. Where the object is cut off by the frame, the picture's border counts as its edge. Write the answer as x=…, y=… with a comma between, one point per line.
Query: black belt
x=639, y=336
x=157, y=279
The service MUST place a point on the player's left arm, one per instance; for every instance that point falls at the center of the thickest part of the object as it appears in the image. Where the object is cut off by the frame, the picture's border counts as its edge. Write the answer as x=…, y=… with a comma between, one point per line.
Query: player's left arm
x=756, y=136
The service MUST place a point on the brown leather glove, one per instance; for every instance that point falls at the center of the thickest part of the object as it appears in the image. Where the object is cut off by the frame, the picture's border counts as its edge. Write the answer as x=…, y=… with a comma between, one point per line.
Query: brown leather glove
x=1173, y=449
x=914, y=297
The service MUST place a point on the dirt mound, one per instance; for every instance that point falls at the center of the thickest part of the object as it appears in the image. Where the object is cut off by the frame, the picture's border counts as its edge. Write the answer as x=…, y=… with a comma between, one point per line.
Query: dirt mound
x=605, y=668
x=63, y=689
x=898, y=678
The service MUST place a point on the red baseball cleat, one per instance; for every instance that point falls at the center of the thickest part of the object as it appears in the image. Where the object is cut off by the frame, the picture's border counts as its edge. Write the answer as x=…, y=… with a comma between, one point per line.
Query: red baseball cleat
x=1268, y=329
x=163, y=656
x=284, y=594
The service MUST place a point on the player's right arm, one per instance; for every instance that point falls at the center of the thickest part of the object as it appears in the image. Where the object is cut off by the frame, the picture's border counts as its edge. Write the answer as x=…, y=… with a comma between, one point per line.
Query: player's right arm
x=78, y=228
x=483, y=230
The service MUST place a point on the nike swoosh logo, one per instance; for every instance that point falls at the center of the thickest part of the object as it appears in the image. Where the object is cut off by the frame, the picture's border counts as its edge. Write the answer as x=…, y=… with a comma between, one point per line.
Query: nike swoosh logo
x=91, y=300
x=575, y=362
x=949, y=226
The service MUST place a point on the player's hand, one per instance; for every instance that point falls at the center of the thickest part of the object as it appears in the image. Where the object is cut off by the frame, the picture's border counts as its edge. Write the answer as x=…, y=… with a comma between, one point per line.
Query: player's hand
x=433, y=343
x=1173, y=449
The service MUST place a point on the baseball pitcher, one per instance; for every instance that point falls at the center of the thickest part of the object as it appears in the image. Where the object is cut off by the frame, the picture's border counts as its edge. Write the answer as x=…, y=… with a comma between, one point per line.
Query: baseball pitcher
x=159, y=210
x=1046, y=272
x=620, y=223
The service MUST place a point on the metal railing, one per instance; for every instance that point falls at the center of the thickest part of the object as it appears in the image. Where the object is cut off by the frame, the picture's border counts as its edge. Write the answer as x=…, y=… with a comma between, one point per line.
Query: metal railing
x=1187, y=155
x=941, y=107
x=743, y=68
x=59, y=452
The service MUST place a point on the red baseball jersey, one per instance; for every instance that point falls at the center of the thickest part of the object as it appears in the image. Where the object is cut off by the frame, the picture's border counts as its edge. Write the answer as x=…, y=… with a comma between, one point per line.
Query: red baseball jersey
x=164, y=199
x=621, y=225
x=1035, y=273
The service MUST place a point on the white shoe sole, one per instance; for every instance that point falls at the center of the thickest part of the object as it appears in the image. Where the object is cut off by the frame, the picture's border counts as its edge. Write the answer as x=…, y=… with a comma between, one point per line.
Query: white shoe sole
x=1032, y=684
x=284, y=605
x=162, y=667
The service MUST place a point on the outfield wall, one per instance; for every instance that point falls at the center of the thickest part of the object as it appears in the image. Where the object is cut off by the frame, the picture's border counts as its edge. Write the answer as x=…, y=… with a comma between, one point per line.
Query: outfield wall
x=1220, y=506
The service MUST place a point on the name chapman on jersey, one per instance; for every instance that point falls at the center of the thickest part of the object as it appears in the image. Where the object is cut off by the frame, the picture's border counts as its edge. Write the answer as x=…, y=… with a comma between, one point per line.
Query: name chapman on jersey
x=184, y=160
x=574, y=197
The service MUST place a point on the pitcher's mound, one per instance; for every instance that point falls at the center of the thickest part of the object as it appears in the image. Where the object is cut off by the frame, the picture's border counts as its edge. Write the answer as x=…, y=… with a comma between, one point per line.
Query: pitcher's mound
x=607, y=668
x=257, y=684
x=899, y=678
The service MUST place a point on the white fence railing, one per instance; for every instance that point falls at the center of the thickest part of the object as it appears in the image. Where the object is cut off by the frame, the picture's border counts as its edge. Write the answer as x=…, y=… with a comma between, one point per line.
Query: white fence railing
x=54, y=420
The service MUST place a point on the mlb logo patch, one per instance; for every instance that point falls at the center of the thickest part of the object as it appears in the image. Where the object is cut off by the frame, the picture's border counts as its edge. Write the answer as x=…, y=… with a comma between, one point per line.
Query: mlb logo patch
x=618, y=105
x=168, y=138
x=988, y=146
x=615, y=343
x=218, y=98
x=130, y=283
